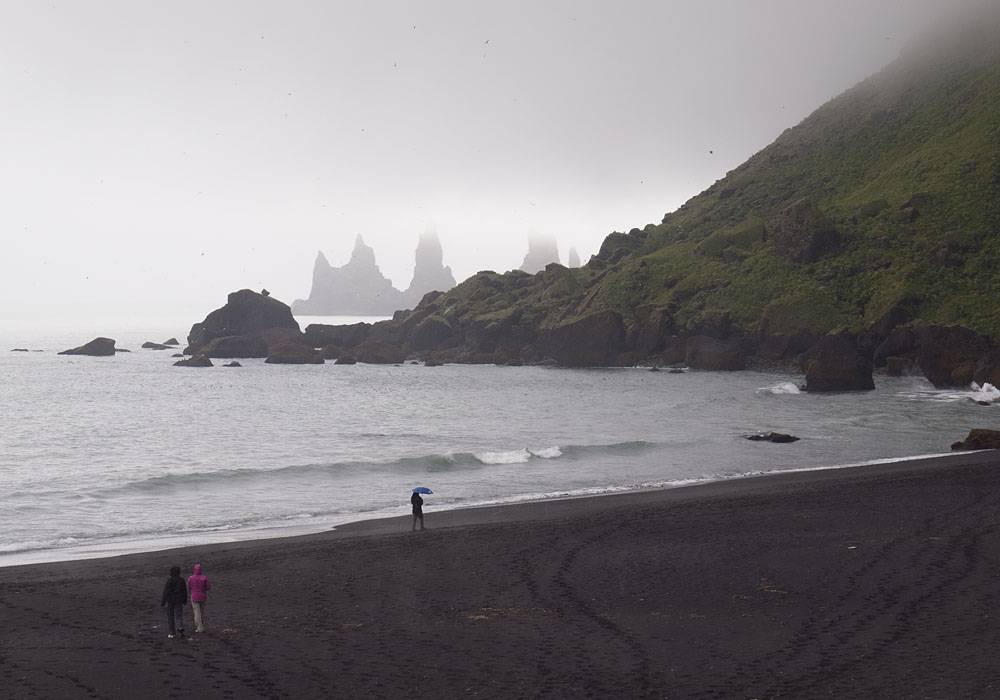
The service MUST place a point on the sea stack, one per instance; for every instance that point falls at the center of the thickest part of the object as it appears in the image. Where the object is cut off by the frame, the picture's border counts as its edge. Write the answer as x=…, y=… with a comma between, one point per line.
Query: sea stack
x=542, y=250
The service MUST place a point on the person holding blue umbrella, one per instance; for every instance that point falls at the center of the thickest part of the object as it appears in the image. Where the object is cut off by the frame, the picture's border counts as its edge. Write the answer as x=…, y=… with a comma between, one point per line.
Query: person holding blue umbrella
x=418, y=506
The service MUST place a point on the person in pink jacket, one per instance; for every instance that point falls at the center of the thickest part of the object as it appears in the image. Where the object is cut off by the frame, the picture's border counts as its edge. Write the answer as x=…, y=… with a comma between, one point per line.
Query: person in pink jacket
x=199, y=586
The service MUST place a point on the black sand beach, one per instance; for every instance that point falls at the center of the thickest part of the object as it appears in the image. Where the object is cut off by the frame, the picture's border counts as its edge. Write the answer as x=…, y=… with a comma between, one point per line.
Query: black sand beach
x=872, y=582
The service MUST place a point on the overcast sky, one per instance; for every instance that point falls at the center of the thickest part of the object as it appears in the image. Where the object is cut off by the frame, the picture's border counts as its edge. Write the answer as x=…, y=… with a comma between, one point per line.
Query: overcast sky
x=155, y=156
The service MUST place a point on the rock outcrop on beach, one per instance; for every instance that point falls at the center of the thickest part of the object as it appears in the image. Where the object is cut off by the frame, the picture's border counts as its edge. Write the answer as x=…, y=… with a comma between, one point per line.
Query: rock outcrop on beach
x=979, y=439
x=98, y=347
x=247, y=326
x=359, y=287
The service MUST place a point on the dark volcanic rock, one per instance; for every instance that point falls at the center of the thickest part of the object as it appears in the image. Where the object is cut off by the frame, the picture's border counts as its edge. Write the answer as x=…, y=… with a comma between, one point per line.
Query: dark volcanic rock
x=704, y=352
x=294, y=354
x=374, y=352
x=247, y=314
x=987, y=370
x=430, y=333
x=979, y=439
x=899, y=366
x=196, y=361
x=651, y=335
x=346, y=360
x=871, y=340
x=772, y=437
x=834, y=364
x=903, y=341
x=948, y=355
x=98, y=347
x=172, y=341
x=784, y=346
x=235, y=346
x=234, y=363
x=592, y=341
x=150, y=345
x=319, y=335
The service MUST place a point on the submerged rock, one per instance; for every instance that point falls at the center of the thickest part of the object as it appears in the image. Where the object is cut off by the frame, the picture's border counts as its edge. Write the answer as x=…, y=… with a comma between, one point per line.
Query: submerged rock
x=772, y=437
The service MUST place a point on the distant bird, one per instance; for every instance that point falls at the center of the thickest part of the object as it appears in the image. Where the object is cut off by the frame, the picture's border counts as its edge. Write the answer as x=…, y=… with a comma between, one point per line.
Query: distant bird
x=265, y=293
x=711, y=151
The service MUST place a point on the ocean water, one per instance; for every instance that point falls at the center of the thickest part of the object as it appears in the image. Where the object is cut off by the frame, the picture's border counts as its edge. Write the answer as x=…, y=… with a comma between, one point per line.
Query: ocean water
x=102, y=456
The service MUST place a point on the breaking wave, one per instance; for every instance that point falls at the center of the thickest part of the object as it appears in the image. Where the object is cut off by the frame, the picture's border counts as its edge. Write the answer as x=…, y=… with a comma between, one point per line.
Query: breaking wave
x=332, y=471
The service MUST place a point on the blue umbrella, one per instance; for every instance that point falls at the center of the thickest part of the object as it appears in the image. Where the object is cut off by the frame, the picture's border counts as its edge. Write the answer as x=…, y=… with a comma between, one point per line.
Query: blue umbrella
x=422, y=489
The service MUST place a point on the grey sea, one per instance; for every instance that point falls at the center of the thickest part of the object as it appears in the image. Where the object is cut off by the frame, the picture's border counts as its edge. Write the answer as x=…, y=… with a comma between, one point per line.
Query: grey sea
x=102, y=456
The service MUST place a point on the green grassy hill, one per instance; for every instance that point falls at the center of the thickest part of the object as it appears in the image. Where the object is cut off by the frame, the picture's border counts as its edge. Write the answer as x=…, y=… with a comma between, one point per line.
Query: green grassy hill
x=886, y=198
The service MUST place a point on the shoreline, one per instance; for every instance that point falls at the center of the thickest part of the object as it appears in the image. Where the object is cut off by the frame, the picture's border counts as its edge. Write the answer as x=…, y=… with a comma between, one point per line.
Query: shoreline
x=858, y=582
x=386, y=524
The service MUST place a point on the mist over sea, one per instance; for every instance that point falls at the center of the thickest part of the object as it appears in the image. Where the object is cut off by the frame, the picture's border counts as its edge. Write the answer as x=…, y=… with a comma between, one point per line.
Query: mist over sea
x=101, y=456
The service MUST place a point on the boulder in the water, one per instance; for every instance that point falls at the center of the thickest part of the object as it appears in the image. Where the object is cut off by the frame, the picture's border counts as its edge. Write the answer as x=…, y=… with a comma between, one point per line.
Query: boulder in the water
x=98, y=347
x=772, y=437
x=195, y=361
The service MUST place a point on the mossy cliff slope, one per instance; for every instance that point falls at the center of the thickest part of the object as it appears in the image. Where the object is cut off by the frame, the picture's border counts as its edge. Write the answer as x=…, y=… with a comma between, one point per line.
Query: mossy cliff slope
x=879, y=209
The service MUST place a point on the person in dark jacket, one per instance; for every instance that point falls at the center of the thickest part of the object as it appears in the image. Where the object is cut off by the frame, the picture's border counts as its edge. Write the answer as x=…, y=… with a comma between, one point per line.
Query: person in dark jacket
x=418, y=510
x=174, y=596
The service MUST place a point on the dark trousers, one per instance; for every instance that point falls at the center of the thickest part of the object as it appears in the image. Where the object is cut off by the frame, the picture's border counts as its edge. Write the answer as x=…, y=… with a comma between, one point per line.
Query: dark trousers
x=175, y=610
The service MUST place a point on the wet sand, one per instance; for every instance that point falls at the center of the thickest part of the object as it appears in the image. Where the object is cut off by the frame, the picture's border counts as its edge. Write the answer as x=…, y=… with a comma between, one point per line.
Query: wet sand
x=873, y=582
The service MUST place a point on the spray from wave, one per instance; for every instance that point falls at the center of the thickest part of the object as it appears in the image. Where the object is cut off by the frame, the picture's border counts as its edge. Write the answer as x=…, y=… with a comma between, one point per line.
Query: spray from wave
x=782, y=388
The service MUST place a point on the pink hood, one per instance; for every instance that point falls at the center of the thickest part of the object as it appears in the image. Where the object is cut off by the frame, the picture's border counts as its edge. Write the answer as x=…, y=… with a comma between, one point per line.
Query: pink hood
x=198, y=585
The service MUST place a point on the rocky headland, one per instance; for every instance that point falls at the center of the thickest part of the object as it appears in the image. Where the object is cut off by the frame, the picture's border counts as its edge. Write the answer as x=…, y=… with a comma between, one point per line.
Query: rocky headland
x=255, y=325
x=828, y=251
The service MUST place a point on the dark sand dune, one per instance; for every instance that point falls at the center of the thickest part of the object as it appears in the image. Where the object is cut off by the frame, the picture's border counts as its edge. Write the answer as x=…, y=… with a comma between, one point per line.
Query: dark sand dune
x=876, y=582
